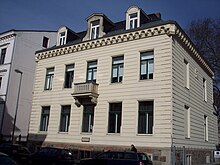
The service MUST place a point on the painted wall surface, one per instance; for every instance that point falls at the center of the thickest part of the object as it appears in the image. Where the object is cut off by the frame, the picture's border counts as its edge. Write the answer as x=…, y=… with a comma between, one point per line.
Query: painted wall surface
x=129, y=92
x=21, y=56
x=194, y=99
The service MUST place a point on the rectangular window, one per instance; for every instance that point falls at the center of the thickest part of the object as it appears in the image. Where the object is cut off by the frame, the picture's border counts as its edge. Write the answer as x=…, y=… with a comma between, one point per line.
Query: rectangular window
x=2, y=58
x=187, y=121
x=45, y=114
x=88, y=118
x=204, y=90
x=186, y=74
x=69, y=76
x=117, y=69
x=62, y=38
x=65, y=118
x=133, y=20
x=45, y=42
x=49, y=79
x=147, y=65
x=91, y=71
x=114, y=120
x=95, y=29
x=206, y=128
x=145, y=117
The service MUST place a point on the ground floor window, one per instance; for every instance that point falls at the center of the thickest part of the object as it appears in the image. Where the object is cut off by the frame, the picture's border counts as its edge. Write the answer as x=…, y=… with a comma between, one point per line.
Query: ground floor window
x=114, y=120
x=145, y=117
x=88, y=118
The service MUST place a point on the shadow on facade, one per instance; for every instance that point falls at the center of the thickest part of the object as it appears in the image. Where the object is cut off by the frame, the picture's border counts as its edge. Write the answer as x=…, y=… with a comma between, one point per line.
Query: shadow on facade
x=7, y=123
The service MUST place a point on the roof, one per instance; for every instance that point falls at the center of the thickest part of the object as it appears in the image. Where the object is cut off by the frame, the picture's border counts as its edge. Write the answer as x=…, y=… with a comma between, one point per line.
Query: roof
x=14, y=30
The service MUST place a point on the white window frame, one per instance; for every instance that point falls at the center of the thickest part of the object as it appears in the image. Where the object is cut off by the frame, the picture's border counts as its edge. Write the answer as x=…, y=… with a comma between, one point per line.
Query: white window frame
x=204, y=89
x=65, y=118
x=187, y=121
x=146, y=62
x=49, y=78
x=132, y=21
x=96, y=29
x=206, y=132
x=186, y=74
x=62, y=38
x=44, y=121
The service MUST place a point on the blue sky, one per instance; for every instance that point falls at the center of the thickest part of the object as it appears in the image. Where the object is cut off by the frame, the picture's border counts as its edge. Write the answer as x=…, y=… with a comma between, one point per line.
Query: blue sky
x=51, y=14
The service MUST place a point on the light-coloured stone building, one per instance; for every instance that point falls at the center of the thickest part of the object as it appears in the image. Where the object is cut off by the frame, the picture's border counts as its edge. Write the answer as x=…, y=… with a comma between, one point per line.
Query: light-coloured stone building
x=140, y=81
x=17, y=69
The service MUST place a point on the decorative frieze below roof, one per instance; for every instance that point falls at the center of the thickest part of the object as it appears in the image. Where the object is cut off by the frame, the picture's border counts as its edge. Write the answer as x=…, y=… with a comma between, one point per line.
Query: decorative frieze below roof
x=6, y=37
x=169, y=29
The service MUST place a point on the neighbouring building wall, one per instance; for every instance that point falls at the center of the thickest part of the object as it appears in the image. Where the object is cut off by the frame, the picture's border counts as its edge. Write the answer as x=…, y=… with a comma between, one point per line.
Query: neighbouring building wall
x=129, y=92
x=22, y=58
x=189, y=129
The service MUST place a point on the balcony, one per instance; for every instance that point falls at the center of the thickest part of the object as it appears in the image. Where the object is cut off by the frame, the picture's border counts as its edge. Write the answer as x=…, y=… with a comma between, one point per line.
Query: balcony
x=85, y=93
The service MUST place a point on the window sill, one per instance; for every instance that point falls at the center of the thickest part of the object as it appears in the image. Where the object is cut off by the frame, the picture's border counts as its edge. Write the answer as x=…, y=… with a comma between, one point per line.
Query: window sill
x=113, y=134
x=63, y=132
x=145, y=80
x=144, y=134
x=113, y=83
x=43, y=132
x=86, y=133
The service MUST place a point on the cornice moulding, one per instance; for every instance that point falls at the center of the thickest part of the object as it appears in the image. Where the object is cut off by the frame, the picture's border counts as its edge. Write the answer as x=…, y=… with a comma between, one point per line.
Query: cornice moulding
x=168, y=29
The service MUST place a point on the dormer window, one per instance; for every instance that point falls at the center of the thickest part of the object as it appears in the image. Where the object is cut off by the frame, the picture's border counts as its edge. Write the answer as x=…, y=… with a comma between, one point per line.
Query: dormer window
x=133, y=20
x=62, y=38
x=135, y=17
x=95, y=29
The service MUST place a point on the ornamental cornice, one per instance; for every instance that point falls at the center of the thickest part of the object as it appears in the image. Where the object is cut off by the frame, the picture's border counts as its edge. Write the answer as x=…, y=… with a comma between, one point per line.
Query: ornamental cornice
x=169, y=29
x=125, y=37
x=188, y=43
x=6, y=37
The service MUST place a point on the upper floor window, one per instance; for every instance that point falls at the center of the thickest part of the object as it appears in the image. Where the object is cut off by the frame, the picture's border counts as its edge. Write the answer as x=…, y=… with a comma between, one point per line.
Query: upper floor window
x=65, y=118
x=45, y=113
x=2, y=58
x=114, y=120
x=69, y=76
x=204, y=90
x=133, y=20
x=145, y=117
x=147, y=65
x=62, y=38
x=91, y=71
x=186, y=74
x=95, y=29
x=49, y=79
x=88, y=118
x=45, y=42
x=117, y=69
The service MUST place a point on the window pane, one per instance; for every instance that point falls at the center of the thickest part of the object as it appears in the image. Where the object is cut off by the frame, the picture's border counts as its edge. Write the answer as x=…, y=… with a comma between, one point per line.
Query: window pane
x=65, y=118
x=145, y=117
x=147, y=65
x=91, y=71
x=44, y=118
x=117, y=69
x=114, y=117
x=88, y=118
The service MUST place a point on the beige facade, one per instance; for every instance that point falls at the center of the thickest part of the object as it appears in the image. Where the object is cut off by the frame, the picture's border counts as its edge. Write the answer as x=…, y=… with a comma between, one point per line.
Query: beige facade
x=179, y=112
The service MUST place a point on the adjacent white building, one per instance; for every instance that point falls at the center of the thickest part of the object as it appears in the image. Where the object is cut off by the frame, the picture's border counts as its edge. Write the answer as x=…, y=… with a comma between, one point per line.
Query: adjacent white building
x=140, y=81
x=17, y=52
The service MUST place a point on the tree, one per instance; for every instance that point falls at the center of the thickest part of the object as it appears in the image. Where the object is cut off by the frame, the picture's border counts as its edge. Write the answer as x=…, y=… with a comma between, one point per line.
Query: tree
x=205, y=34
